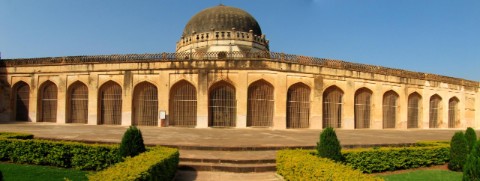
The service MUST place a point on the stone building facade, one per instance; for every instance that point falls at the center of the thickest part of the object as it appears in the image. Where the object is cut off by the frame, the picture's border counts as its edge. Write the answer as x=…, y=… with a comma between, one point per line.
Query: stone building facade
x=231, y=81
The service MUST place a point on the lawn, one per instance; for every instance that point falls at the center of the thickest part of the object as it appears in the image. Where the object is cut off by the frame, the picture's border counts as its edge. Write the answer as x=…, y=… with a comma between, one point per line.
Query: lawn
x=425, y=175
x=18, y=172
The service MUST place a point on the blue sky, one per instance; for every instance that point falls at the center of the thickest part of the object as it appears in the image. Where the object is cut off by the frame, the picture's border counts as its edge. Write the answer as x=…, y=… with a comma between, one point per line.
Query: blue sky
x=431, y=36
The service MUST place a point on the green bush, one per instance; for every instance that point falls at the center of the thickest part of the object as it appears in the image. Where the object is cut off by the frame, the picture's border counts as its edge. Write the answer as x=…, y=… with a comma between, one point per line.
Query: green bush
x=471, y=169
x=471, y=137
x=458, y=151
x=58, y=153
x=159, y=163
x=21, y=136
x=1, y=176
x=389, y=158
x=132, y=143
x=304, y=165
x=329, y=146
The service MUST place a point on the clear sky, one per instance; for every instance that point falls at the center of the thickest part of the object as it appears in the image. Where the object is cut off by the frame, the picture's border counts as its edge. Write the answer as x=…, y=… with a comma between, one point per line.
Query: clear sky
x=431, y=36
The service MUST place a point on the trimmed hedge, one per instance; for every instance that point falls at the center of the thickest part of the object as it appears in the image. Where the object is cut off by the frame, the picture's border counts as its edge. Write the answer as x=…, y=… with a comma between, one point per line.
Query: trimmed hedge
x=458, y=151
x=56, y=153
x=388, y=159
x=132, y=143
x=159, y=163
x=21, y=136
x=305, y=165
x=329, y=146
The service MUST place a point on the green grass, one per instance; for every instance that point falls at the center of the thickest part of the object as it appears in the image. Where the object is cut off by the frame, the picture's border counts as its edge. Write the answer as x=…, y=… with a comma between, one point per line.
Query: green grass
x=18, y=172
x=425, y=175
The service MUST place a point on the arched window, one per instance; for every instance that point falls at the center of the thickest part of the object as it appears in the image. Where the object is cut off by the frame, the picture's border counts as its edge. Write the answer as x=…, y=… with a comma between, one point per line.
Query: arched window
x=332, y=107
x=110, y=104
x=183, y=105
x=260, y=104
x=77, y=103
x=298, y=106
x=222, y=105
x=362, y=110
x=390, y=108
x=453, y=113
x=21, y=95
x=435, y=111
x=145, y=105
x=413, y=110
x=47, y=104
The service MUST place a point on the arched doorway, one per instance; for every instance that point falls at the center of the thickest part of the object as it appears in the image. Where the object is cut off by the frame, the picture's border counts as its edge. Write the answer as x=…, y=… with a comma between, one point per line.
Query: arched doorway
x=21, y=95
x=110, y=104
x=183, y=105
x=332, y=107
x=390, y=108
x=453, y=113
x=260, y=104
x=47, y=103
x=413, y=119
x=222, y=105
x=145, y=105
x=362, y=108
x=435, y=111
x=77, y=103
x=298, y=106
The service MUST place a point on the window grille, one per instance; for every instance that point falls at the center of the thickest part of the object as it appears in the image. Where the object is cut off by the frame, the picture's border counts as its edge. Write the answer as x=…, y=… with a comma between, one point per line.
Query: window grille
x=183, y=105
x=21, y=96
x=390, y=108
x=48, y=103
x=453, y=113
x=260, y=104
x=298, y=106
x=413, y=110
x=435, y=111
x=362, y=108
x=145, y=105
x=332, y=107
x=78, y=104
x=222, y=106
x=110, y=104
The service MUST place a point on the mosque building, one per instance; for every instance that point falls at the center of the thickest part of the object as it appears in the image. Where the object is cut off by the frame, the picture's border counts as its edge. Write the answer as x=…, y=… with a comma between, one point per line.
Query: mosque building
x=223, y=75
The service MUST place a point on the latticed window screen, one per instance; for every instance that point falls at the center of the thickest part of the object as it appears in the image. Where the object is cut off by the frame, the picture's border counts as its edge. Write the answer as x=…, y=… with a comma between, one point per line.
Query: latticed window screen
x=78, y=103
x=298, y=106
x=260, y=104
x=362, y=108
x=110, y=100
x=48, y=103
x=332, y=108
x=413, y=110
x=21, y=95
x=183, y=105
x=145, y=105
x=453, y=112
x=435, y=111
x=390, y=109
x=222, y=106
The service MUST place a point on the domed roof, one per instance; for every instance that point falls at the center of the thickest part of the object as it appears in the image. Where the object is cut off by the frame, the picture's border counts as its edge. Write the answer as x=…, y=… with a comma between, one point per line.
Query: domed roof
x=222, y=18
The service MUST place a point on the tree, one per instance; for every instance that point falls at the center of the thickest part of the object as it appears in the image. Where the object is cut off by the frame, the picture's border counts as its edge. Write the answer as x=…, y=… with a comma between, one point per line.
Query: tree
x=329, y=146
x=132, y=143
x=458, y=152
x=471, y=137
x=471, y=170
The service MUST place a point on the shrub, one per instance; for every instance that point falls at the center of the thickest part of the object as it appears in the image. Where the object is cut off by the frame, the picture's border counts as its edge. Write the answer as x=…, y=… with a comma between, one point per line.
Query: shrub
x=329, y=146
x=388, y=159
x=1, y=176
x=458, y=151
x=471, y=169
x=22, y=136
x=132, y=143
x=471, y=137
x=304, y=165
x=159, y=163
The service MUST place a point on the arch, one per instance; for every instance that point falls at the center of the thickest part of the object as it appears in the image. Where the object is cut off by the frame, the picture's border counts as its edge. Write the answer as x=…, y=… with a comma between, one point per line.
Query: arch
x=222, y=105
x=390, y=109
x=435, y=111
x=298, y=106
x=362, y=109
x=145, y=105
x=414, y=110
x=47, y=102
x=453, y=113
x=77, y=103
x=183, y=104
x=21, y=98
x=260, y=104
x=110, y=104
x=332, y=107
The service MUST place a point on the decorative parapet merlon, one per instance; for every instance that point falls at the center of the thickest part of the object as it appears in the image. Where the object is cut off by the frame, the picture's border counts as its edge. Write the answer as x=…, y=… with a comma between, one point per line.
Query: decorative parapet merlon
x=267, y=56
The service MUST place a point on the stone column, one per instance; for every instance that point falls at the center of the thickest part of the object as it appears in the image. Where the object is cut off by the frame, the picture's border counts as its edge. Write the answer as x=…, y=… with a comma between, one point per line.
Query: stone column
x=62, y=99
x=93, y=88
x=202, y=99
x=163, y=95
x=242, y=94
x=316, y=104
x=348, y=106
x=280, y=96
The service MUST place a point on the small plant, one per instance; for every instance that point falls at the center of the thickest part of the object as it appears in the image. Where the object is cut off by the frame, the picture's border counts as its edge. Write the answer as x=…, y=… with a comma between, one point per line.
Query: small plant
x=132, y=143
x=458, y=152
x=329, y=146
x=471, y=170
x=471, y=137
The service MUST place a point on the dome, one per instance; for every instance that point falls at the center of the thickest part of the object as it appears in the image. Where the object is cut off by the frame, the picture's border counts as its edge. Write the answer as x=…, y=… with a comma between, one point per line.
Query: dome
x=222, y=18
